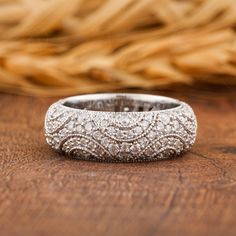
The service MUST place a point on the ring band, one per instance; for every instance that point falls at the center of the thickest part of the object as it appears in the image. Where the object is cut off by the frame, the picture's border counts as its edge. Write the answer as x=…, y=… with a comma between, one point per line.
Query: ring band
x=120, y=127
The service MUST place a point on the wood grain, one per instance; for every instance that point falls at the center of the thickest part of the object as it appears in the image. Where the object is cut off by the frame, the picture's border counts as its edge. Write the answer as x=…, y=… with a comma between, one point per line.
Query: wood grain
x=42, y=193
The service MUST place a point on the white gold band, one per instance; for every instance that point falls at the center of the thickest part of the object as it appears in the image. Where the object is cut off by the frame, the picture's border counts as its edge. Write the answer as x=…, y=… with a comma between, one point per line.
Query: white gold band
x=120, y=127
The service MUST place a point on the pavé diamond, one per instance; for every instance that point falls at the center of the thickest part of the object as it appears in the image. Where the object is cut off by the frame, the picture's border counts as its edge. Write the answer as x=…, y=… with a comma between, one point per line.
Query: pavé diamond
x=124, y=120
x=105, y=141
x=114, y=149
x=70, y=125
x=80, y=128
x=124, y=147
x=120, y=136
x=165, y=118
x=135, y=148
x=88, y=126
x=143, y=142
x=152, y=134
x=97, y=135
x=137, y=130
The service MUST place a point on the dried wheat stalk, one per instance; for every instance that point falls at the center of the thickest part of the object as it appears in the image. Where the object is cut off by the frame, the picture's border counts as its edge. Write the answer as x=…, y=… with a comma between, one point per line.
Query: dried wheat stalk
x=58, y=47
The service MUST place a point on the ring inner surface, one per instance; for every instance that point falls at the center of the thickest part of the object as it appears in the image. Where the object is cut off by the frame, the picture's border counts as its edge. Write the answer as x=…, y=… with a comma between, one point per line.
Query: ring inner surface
x=120, y=104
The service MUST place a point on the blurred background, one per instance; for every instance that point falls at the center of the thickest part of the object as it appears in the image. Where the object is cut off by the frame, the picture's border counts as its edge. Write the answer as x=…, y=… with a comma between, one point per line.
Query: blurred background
x=184, y=49
x=62, y=47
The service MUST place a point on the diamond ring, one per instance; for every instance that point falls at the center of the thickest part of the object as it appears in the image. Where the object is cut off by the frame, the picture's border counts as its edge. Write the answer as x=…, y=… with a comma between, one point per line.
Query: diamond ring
x=120, y=127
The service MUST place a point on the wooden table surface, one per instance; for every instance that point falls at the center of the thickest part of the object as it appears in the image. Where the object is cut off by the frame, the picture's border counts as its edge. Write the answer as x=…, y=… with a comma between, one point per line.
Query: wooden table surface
x=42, y=193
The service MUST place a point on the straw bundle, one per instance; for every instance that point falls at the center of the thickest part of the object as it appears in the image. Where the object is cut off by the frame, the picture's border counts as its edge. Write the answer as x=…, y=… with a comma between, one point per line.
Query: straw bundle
x=58, y=47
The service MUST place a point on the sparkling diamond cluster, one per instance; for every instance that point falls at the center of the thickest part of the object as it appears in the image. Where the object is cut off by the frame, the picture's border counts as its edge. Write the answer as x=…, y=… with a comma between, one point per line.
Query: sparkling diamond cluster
x=120, y=136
